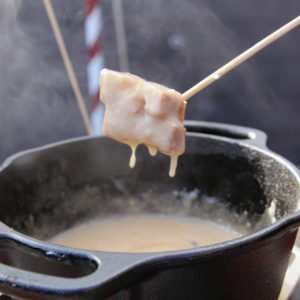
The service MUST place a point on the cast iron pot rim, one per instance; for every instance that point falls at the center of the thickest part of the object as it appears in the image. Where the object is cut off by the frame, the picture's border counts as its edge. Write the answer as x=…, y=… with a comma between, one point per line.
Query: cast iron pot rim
x=278, y=227
x=107, y=277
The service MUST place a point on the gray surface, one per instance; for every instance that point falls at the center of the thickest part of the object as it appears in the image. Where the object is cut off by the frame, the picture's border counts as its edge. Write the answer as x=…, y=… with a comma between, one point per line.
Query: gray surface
x=37, y=105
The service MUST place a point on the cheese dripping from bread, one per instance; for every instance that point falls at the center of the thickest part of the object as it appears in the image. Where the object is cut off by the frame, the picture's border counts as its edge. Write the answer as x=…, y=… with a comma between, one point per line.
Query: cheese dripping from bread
x=143, y=112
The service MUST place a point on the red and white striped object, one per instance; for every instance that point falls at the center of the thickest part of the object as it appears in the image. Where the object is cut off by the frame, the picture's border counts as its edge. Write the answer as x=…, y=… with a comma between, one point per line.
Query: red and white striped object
x=93, y=28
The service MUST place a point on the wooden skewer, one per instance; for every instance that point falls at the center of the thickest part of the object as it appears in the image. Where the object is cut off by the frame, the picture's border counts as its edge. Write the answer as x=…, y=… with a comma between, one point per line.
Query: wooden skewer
x=121, y=36
x=68, y=65
x=241, y=58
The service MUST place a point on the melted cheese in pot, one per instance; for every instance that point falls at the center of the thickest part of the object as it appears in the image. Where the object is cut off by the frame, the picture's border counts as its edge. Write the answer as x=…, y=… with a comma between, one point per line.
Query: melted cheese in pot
x=145, y=233
x=143, y=112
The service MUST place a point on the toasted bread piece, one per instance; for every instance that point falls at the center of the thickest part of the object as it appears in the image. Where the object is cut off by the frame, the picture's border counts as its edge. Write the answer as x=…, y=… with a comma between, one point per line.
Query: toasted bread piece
x=142, y=112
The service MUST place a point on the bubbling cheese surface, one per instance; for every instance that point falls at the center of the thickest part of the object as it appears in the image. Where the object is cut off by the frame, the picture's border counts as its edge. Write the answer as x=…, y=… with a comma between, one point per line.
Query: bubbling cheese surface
x=142, y=112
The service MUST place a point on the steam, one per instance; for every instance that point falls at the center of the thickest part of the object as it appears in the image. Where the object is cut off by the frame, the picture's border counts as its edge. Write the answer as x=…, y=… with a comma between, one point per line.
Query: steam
x=176, y=43
x=37, y=104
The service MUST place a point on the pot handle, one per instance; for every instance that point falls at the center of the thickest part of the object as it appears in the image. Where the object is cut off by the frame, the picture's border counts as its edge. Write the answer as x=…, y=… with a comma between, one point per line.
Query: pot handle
x=246, y=135
x=32, y=269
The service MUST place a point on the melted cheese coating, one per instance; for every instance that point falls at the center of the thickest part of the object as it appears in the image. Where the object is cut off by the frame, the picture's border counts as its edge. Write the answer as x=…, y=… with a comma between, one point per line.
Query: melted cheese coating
x=143, y=112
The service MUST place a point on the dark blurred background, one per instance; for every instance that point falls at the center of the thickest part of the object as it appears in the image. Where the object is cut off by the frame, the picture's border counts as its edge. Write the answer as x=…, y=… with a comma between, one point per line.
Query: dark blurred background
x=175, y=42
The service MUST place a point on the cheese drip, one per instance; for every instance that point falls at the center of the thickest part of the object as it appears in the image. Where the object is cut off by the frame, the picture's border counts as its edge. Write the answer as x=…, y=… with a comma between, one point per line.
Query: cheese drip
x=173, y=165
x=152, y=150
x=132, y=160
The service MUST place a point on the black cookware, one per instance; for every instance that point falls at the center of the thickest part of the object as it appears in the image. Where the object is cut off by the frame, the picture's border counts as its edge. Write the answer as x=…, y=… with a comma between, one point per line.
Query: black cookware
x=227, y=169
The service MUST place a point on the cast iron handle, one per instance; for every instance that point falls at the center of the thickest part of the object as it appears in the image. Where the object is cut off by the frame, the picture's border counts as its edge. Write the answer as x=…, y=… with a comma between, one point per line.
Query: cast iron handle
x=243, y=134
x=49, y=271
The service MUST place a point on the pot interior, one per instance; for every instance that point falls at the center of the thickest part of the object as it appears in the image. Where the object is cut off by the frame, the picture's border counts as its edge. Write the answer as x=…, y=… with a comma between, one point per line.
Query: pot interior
x=46, y=191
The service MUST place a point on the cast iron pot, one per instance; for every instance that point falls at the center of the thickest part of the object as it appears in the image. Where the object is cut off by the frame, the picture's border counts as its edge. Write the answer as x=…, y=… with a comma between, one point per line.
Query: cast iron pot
x=49, y=189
